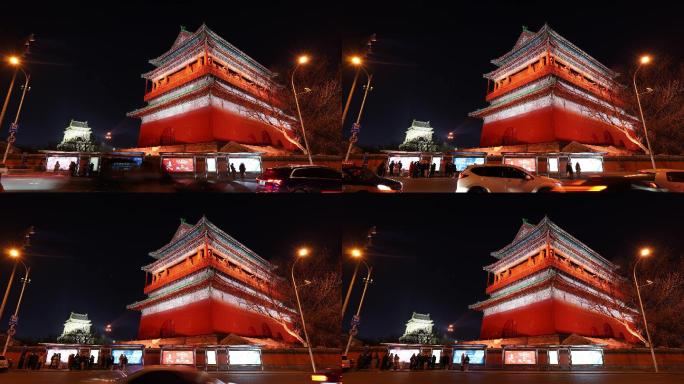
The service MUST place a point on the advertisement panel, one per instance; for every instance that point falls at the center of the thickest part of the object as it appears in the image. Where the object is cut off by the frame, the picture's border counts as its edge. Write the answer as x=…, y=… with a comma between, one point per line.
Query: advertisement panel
x=62, y=352
x=211, y=357
x=252, y=164
x=211, y=164
x=404, y=354
x=520, y=357
x=591, y=164
x=172, y=357
x=134, y=355
x=476, y=356
x=527, y=163
x=179, y=164
x=244, y=357
x=553, y=357
x=464, y=162
x=61, y=161
x=591, y=357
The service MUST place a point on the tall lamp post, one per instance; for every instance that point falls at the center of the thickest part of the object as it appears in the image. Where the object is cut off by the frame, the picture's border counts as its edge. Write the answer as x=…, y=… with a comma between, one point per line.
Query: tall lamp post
x=15, y=253
x=15, y=317
x=644, y=60
x=357, y=317
x=357, y=125
x=357, y=254
x=645, y=252
x=15, y=126
x=301, y=253
x=300, y=61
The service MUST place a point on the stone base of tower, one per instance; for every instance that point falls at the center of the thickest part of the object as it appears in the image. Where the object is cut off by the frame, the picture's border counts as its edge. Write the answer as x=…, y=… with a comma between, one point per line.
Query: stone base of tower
x=208, y=124
x=549, y=124
x=210, y=316
x=549, y=317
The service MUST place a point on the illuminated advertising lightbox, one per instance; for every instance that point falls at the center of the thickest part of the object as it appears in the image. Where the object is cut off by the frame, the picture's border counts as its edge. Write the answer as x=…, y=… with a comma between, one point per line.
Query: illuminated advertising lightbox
x=553, y=164
x=591, y=164
x=246, y=357
x=527, y=163
x=64, y=358
x=211, y=164
x=437, y=161
x=63, y=161
x=592, y=357
x=178, y=357
x=476, y=356
x=95, y=161
x=464, y=162
x=185, y=164
x=553, y=357
x=405, y=162
x=520, y=357
x=437, y=353
x=95, y=353
x=134, y=355
x=404, y=354
x=252, y=164
x=211, y=357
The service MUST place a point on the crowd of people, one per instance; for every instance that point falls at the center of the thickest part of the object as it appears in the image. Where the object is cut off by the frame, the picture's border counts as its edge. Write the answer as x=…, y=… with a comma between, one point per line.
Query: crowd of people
x=32, y=361
x=391, y=361
x=417, y=169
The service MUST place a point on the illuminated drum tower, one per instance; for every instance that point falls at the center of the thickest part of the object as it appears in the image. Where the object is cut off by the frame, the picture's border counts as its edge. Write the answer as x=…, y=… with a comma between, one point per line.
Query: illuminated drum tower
x=204, y=282
x=546, y=282
x=547, y=90
x=206, y=90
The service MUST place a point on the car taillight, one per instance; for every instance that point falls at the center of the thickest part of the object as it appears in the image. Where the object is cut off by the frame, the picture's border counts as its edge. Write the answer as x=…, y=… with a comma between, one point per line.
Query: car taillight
x=462, y=175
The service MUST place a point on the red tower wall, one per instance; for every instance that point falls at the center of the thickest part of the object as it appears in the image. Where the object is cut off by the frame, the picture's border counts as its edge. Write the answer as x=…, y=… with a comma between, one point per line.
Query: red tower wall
x=551, y=316
x=552, y=123
x=209, y=316
x=208, y=124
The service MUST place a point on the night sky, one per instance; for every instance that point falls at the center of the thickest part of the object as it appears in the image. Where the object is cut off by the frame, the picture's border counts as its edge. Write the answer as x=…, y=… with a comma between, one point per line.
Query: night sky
x=429, y=252
x=88, y=249
x=88, y=56
x=429, y=57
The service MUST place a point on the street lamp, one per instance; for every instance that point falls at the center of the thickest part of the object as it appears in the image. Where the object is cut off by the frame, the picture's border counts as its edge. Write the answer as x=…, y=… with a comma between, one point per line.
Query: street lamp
x=300, y=61
x=15, y=253
x=14, y=125
x=357, y=253
x=15, y=317
x=301, y=253
x=644, y=253
x=357, y=317
x=356, y=126
x=644, y=60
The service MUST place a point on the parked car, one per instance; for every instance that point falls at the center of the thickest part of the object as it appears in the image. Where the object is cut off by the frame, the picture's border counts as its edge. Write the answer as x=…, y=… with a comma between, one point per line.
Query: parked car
x=360, y=179
x=167, y=375
x=502, y=178
x=614, y=183
x=346, y=363
x=4, y=364
x=328, y=376
x=670, y=179
x=300, y=178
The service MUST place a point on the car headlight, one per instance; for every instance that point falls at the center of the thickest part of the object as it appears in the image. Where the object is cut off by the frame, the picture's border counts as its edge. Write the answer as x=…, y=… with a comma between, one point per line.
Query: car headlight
x=384, y=187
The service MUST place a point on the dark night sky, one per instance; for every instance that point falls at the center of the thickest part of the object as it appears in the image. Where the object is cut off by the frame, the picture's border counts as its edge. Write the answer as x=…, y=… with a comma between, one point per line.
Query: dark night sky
x=429, y=252
x=88, y=56
x=88, y=249
x=429, y=59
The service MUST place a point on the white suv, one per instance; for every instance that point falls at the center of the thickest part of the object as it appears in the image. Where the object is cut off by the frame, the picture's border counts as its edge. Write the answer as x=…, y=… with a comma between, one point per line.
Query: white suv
x=502, y=178
x=670, y=179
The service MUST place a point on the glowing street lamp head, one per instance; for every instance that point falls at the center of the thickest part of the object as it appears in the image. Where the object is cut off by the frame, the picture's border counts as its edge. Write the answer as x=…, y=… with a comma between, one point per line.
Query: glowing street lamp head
x=14, y=60
x=645, y=252
x=303, y=252
x=13, y=253
x=356, y=253
x=356, y=60
x=303, y=59
x=645, y=59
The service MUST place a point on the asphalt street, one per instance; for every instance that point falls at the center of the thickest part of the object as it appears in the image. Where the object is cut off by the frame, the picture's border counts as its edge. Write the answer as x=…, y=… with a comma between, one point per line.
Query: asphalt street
x=439, y=377
x=92, y=377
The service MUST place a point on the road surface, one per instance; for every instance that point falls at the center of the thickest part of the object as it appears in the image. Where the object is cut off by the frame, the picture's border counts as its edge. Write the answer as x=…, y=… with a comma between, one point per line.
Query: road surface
x=97, y=376
x=439, y=377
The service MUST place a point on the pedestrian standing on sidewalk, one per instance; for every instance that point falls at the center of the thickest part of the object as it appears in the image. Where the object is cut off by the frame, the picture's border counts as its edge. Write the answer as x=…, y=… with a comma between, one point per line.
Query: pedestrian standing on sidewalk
x=396, y=357
x=242, y=171
x=568, y=170
x=233, y=172
x=578, y=170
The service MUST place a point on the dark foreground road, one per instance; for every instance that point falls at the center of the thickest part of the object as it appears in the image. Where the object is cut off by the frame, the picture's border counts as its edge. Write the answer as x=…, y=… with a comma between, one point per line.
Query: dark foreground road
x=457, y=377
x=92, y=377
